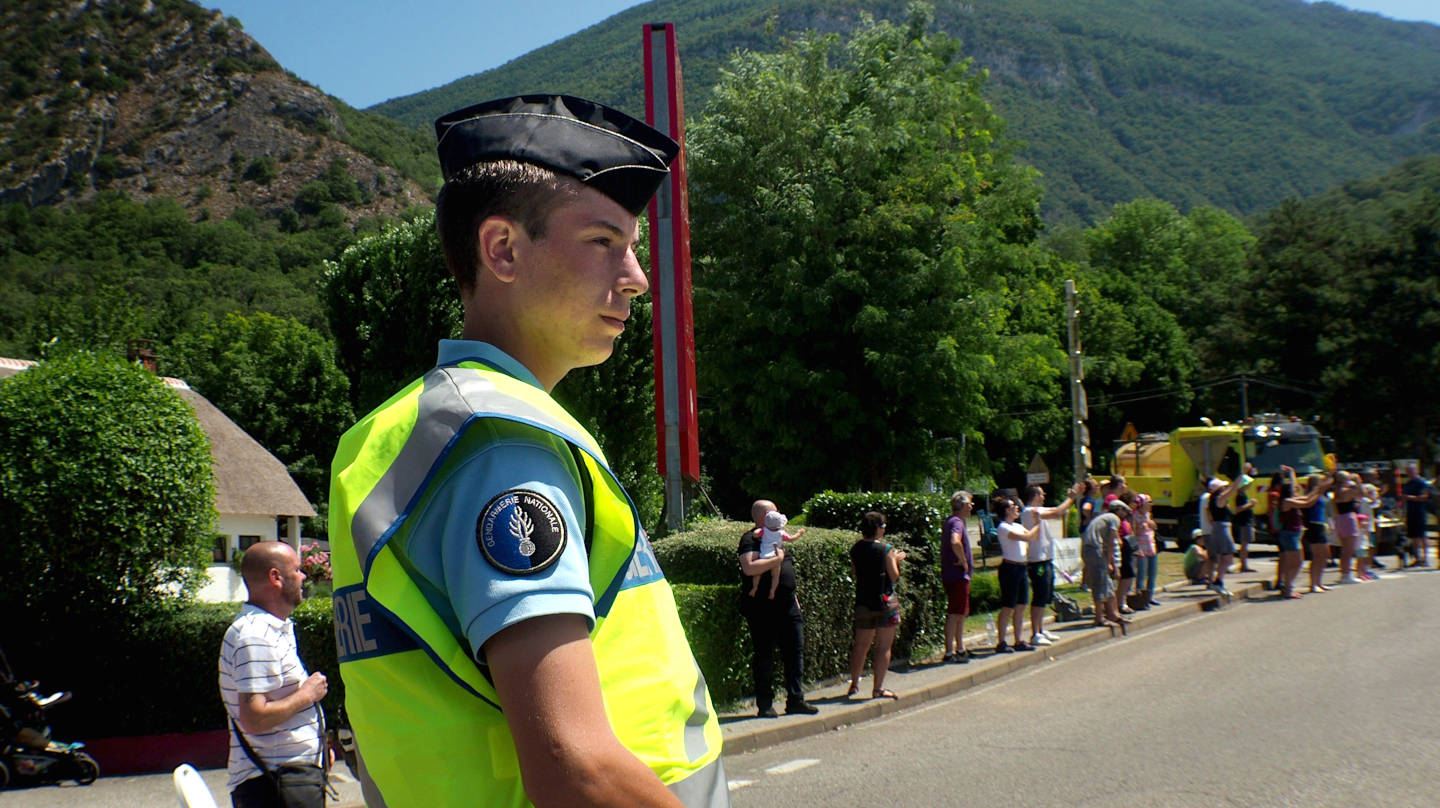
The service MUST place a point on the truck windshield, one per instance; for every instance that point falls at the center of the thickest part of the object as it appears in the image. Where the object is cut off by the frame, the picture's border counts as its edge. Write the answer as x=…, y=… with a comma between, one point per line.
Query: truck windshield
x=1303, y=456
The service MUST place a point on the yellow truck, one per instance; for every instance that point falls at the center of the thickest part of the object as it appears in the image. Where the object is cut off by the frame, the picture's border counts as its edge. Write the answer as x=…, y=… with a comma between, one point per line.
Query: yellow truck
x=1172, y=467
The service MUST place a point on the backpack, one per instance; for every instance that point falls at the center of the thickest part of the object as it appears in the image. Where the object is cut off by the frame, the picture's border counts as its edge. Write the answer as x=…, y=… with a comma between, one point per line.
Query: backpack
x=1066, y=609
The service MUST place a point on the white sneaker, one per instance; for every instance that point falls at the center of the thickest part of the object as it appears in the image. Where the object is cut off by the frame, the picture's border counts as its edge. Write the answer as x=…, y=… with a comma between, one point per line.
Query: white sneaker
x=1040, y=639
x=1347, y=579
x=1051, y=636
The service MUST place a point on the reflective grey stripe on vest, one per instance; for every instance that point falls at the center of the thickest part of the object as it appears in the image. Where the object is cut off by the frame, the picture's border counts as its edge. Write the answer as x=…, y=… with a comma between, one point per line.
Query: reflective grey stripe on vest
x=450, y=398
x=368, y=789
x=695, y=745
x=706, y=788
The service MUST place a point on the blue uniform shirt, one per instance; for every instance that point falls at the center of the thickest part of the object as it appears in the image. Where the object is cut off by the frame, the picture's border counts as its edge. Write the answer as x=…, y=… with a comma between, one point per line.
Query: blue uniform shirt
x=494, y=456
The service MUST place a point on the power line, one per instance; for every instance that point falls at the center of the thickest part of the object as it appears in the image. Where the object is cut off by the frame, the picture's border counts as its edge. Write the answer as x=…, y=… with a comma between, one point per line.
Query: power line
x=1155, y=393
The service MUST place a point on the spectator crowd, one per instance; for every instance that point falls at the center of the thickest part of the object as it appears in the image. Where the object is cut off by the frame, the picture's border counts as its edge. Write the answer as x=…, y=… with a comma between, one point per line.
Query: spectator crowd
x=1335, y=519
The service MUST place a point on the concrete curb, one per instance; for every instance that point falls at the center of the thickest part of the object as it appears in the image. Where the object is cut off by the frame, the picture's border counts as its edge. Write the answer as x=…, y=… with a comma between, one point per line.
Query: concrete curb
x=747, y=733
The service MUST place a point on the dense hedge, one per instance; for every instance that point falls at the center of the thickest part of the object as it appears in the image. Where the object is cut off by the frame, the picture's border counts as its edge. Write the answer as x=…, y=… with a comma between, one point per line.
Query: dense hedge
x=157, y=674
x=918, y=515
x=711, y=617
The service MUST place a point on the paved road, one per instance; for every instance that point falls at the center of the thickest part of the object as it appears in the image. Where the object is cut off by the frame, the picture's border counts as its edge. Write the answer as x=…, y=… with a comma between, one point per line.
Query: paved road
x=146, y=791
x=1328, y=701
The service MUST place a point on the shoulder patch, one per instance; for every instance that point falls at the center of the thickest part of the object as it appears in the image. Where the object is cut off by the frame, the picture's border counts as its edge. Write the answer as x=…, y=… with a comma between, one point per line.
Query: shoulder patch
x=520, y=532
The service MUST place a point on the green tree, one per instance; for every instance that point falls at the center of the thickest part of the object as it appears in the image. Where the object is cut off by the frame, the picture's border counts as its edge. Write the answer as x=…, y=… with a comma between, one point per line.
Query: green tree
x=278, y=380
x=853, y=213
x=390, y=299
x=1343, y=315
x=1154, y=291
x=106, y=492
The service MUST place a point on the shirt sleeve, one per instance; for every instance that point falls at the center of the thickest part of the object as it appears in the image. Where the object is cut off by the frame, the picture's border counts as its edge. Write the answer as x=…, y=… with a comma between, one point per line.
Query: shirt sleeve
x=491, y=591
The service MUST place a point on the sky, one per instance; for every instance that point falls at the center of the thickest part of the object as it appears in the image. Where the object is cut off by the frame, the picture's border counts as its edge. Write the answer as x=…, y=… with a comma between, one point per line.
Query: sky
x=368, y=51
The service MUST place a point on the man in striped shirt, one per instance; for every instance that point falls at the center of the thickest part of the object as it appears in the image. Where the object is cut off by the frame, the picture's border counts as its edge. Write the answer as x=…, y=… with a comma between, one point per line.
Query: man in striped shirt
x=267, y=692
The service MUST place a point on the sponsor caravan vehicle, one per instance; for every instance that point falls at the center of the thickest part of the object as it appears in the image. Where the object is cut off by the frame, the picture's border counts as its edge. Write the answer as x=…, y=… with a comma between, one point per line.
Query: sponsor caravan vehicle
x=1171, y=467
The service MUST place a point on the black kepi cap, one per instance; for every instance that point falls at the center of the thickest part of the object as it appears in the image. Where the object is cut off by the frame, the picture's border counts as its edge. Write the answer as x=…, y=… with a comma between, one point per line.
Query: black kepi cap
x=604, y=148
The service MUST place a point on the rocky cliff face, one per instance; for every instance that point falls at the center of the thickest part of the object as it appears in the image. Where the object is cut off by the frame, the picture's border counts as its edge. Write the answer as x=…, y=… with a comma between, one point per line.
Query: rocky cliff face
x=168, y=99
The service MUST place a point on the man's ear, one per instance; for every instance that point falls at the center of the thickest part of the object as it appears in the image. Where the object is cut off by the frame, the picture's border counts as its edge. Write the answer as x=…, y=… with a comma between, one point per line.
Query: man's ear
x=496, y=243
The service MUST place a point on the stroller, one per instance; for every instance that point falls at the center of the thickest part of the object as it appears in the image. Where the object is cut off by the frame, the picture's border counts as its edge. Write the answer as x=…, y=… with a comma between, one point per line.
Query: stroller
x=26, y=749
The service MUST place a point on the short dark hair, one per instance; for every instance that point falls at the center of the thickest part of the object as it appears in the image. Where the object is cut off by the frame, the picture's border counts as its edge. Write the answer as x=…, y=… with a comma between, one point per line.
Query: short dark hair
x=1030, y=492
x=871, y=523
x=525, y=192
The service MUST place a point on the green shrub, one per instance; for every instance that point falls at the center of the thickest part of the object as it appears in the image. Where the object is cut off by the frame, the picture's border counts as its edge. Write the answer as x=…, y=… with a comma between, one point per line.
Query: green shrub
x=261, y=171
x=106, y=496
x=148, y=671
x=172, y=651
x=227, y=65
x=341, y=185
x=106, y=166
x=984, y=592
x=705, y=554
x=313, y=197
x=717, y=634
x=918, y=515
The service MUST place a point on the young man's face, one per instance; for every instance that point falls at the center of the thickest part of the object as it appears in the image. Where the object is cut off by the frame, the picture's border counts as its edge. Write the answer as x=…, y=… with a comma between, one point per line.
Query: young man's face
x=575, y=286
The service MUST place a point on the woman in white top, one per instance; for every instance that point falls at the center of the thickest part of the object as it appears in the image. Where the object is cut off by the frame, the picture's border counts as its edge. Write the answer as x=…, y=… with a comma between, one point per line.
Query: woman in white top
x=1014, y=587
x=1369, y=496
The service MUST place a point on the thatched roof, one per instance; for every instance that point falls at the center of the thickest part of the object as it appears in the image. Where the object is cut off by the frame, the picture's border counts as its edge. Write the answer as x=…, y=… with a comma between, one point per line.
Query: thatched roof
x=248, y=479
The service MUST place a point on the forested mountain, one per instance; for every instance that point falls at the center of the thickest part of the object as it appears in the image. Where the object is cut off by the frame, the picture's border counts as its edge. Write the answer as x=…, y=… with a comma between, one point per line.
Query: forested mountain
x=1231, y=103
x=162, y=178
x=164, y=99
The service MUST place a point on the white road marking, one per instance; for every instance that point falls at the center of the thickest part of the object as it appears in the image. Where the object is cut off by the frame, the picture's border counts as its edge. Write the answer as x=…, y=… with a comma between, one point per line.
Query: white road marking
x=792, y=767
x=734, y=785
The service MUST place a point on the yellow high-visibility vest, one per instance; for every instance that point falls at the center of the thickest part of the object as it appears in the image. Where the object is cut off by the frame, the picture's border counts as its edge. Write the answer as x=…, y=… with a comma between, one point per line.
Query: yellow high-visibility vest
x=426, y=719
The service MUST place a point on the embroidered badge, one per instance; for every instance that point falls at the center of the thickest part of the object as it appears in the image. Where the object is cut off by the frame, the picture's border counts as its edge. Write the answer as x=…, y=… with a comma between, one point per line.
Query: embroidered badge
x=520, y=532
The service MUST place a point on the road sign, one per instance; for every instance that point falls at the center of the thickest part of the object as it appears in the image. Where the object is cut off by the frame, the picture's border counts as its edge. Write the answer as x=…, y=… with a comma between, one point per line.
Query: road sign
x=1038, y=472
x=1129, y=432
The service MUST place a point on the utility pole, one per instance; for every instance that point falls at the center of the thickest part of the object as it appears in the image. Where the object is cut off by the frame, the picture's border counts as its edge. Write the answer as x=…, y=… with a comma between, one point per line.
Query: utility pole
x=677, y=428
x=1244, y=397
x=1079, y=407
